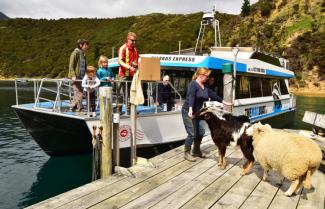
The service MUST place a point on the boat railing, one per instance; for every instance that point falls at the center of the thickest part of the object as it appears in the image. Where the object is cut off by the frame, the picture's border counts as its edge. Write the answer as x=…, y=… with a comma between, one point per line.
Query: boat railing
x=60, y=85
x=55, y=95
x=150, y=90
x=52, y=91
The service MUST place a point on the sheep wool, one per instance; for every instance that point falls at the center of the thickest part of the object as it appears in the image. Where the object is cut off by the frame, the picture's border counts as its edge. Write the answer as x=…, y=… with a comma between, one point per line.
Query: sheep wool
x=294, y=156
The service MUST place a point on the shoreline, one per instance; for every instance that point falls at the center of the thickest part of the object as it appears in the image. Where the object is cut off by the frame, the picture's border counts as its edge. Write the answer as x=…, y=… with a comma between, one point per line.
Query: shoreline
x=307, y=92
x=7, y=79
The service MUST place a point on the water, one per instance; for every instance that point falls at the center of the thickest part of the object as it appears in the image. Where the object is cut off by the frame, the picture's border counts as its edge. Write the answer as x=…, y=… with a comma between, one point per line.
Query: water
x=314, y=104
x=28, y=175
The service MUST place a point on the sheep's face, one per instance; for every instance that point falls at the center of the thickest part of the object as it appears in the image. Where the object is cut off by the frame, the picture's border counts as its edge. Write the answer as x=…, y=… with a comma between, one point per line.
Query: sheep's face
x=257, y=128
x=205, y=113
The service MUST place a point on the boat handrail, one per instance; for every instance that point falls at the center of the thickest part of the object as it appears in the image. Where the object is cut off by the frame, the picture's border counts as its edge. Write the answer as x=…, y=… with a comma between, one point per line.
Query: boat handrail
x=62, y=92
x=57, y=102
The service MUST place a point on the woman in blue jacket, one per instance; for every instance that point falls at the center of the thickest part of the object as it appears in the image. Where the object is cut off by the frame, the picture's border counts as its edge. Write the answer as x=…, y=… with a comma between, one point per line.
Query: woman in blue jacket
x=197, y=93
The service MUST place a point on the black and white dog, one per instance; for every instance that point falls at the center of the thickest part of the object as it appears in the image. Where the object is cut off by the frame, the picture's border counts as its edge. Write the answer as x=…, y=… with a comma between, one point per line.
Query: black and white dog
x=228, y=129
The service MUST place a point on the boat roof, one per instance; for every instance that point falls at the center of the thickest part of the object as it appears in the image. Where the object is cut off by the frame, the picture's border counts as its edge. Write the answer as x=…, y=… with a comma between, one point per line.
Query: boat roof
x=244, y=64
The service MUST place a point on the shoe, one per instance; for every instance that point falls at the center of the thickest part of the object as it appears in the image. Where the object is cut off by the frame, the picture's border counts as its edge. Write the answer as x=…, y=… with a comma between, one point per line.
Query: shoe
x=187, y=154
x=196, y=152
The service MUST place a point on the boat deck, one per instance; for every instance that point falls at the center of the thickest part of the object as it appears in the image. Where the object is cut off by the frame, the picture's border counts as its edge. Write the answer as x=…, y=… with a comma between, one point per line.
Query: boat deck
x=65, y=109
x=176, y=183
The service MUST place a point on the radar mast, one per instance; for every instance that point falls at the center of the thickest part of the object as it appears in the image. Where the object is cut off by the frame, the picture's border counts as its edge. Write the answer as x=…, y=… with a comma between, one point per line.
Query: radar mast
x=208, y=19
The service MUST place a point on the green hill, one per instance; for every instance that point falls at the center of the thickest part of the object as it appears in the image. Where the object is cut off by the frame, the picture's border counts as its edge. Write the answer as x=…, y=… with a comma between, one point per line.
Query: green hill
x=42, y=47
x=290, y=28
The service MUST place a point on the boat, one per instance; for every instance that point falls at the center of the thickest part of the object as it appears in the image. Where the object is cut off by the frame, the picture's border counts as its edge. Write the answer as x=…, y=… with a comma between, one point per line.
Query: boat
x=259, y=90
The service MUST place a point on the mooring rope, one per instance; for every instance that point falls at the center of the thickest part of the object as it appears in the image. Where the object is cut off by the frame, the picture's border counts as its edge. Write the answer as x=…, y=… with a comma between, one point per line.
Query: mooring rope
x=96, y=141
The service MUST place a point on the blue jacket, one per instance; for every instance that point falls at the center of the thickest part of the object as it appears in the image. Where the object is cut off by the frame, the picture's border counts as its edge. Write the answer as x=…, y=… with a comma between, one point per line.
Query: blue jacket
x=102, y=74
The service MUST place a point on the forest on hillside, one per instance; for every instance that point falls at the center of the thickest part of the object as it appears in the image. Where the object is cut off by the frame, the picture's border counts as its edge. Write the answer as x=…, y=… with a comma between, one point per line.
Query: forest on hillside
x=293, y=29
x=40, y=48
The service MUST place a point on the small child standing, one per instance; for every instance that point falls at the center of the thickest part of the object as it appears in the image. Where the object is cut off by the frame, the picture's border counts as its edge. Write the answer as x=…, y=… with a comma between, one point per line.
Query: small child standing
x=104, y=73
x=89, y=83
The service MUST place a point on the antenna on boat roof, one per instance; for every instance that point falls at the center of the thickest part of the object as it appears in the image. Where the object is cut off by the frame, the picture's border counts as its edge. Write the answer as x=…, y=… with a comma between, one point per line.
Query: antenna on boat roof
x=208, y=19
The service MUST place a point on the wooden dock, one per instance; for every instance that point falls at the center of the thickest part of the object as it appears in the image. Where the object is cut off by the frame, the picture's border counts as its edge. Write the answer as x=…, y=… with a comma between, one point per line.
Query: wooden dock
x=176, y=183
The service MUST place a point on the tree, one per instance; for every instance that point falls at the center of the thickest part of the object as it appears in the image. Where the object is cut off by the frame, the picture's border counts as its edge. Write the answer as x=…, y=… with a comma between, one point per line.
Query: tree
x=266, y=8
x=245, y=8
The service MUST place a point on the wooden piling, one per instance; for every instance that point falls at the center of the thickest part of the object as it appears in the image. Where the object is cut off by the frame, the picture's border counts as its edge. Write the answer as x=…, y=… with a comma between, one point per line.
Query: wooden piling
x=133, y=117
x=228, y=90
x=116, y=145
x=105, y=98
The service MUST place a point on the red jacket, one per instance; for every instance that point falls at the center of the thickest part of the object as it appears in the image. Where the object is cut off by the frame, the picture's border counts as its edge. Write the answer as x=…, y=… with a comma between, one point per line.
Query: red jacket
x=126, y=56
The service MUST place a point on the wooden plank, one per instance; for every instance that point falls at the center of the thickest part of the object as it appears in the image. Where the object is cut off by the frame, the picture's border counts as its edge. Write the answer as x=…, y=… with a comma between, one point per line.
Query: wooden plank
x=145, y=186
x=314, y=198
x=102, y=194
x=76, y=193
x=212, y=193
x=172, y=185
x=99, y=184
x=282, y=201
x=264, y=193
x=235, y=197
x=187, y=192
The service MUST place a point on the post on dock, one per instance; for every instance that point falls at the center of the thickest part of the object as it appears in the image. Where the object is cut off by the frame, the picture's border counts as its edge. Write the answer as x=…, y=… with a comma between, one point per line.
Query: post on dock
x=105, y=98
x=133, y=117
x=235, y=51
x=116, y=126
x=227, y=84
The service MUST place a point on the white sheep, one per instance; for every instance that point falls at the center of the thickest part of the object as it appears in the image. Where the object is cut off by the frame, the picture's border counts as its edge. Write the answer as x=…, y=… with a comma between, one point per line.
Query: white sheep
x=294, y=156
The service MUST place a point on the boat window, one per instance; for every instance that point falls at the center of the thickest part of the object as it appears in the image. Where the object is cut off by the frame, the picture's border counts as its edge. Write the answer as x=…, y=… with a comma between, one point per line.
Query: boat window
x=255, y=87
x=283, y=87
x=266, y=87
x=242, y=87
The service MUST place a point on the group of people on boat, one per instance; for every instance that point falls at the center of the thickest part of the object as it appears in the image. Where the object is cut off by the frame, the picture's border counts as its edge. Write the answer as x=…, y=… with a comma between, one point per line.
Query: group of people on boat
x=91, y=77
x=103, y=76
x=198, y=90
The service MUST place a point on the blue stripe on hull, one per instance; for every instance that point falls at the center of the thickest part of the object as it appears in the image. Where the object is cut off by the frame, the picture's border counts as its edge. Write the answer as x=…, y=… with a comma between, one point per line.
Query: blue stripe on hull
x=272, y=114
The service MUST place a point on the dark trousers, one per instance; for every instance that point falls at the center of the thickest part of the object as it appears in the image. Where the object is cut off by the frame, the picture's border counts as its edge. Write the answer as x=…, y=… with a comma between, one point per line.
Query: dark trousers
x=124, y=89
x=194, y=128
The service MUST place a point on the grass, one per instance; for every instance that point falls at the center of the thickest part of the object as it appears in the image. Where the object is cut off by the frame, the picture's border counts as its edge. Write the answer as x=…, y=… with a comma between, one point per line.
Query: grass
x=304, y=24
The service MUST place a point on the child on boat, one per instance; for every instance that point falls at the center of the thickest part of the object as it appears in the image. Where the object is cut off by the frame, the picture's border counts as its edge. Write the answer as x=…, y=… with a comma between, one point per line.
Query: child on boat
x=89, y=83
x=104, y=73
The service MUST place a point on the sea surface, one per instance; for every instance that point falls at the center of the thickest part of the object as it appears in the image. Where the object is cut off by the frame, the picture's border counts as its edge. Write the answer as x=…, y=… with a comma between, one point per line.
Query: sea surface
x=28, y=175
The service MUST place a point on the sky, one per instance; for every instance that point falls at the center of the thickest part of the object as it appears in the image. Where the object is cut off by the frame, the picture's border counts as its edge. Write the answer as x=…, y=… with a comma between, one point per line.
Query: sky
x=55, y=9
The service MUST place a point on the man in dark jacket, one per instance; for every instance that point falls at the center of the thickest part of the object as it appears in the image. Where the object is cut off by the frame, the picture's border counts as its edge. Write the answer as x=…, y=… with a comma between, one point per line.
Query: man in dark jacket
x=165, y=95
x=77, y=69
